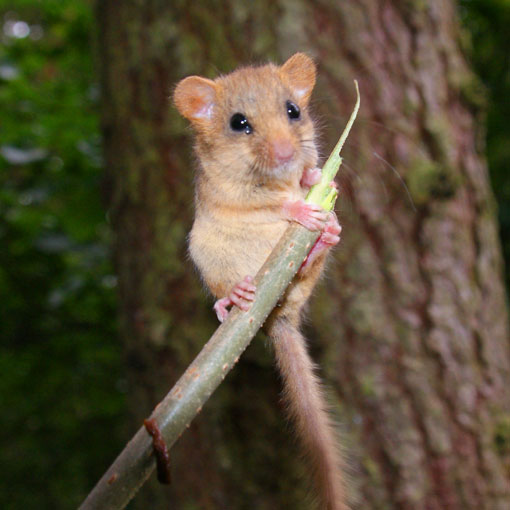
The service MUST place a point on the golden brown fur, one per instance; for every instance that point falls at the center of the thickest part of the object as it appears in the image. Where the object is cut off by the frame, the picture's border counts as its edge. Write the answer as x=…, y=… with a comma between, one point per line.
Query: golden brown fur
x=241, y=189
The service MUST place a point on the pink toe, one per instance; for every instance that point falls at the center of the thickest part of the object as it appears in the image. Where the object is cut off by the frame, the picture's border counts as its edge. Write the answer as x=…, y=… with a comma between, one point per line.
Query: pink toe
x=239, y=302
x=220, y=307
x=310, y=177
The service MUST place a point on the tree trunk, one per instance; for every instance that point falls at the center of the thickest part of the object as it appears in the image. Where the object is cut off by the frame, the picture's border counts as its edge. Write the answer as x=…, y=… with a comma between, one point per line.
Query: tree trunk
x=409, y=328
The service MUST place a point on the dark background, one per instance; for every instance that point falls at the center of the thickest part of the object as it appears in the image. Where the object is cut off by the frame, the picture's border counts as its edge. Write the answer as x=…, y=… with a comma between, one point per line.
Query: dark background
x=61, y=361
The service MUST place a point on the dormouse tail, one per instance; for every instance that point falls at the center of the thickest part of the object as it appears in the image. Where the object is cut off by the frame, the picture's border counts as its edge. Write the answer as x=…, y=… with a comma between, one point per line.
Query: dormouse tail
x=307, y=408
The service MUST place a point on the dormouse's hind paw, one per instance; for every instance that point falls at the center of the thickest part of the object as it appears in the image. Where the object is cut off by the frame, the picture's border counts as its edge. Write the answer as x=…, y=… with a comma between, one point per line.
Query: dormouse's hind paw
x=329, y=237
x=331, y=232
x=220, y=307
x=241, y=296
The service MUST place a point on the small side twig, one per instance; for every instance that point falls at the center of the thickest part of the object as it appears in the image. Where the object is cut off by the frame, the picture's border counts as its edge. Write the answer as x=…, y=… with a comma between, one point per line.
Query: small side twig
x=160, y=451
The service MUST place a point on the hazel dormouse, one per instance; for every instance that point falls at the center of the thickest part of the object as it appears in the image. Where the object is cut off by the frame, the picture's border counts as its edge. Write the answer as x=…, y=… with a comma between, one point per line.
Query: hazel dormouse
x=255, y=143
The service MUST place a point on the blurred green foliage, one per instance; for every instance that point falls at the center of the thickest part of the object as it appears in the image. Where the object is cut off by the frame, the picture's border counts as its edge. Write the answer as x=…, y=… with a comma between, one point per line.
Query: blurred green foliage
x=61, y=361
x=61, y=383
x=488, y=25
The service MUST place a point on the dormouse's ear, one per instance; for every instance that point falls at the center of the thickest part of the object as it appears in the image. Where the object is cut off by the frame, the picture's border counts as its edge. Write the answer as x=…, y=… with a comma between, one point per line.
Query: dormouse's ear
x=299, y=71
x=195, y=98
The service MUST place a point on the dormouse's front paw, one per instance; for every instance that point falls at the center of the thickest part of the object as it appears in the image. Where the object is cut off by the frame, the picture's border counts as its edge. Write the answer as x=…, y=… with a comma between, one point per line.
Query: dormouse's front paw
x=241, y=295
x=310, y=177
x=311, y=216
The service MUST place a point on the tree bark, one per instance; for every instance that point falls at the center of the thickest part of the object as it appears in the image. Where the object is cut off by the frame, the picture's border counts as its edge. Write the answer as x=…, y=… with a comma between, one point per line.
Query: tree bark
x=410, y=326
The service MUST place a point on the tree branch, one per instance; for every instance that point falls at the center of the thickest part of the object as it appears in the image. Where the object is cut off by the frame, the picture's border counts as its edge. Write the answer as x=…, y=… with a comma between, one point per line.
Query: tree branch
x=172, y=415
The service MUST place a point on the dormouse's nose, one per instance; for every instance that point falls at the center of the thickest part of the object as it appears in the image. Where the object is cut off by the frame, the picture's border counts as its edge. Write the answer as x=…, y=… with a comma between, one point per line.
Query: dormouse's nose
x=283, y=150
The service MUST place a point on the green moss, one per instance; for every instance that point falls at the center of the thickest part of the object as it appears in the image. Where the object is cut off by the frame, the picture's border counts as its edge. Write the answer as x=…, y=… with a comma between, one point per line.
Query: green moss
x=367, y=385
x=502, y=436
x=437, y=129
x=471, y=89
x=416, y=5
x=409, y=106
x=372, y=469
x=427, y=179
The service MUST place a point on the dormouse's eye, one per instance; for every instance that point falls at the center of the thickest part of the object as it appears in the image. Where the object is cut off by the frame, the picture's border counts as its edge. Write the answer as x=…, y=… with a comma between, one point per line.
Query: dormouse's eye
x=238, y=122
x=292, y=110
